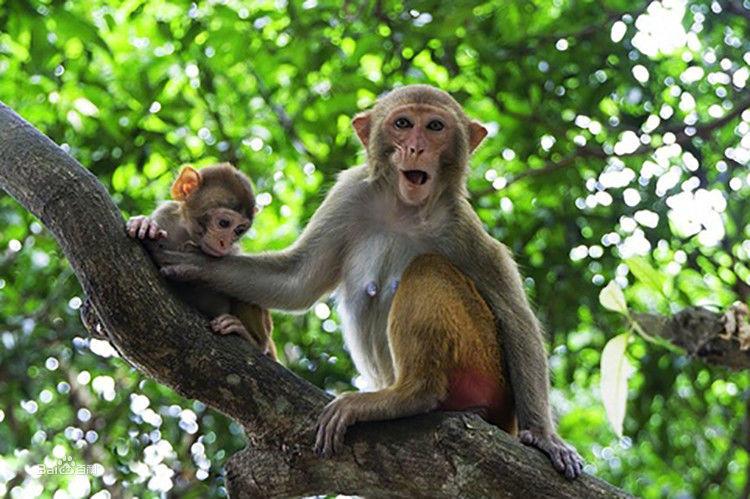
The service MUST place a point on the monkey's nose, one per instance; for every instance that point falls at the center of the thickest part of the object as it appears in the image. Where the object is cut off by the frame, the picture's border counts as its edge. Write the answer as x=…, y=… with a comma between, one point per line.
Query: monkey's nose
x=415, y=152
x=222, y=243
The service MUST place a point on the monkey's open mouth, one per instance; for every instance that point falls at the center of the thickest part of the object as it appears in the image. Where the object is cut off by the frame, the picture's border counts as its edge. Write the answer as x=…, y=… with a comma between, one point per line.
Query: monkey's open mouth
x=416, y=177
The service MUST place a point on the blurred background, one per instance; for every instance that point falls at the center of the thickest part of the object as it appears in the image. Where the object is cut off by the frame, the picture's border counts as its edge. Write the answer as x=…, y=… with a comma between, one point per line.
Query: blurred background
x=618, y=151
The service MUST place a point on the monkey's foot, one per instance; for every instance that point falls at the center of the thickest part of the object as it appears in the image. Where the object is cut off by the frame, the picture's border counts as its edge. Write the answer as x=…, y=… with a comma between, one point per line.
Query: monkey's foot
x=229, y=324
x=336, y=417
x=144, y=227
x=564, y=458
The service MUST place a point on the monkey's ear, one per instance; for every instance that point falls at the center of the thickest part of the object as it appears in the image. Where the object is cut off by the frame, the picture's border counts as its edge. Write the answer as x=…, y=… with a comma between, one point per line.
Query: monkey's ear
x=187, y=182
x=477, y=133
x=361, y=124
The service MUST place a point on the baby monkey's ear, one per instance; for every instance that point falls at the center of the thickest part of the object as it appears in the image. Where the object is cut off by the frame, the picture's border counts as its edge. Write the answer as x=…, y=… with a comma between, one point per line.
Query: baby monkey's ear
x=187, y=182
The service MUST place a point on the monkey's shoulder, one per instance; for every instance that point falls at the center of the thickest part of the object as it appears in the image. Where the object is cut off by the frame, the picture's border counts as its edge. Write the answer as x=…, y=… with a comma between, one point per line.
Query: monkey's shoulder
x=353, y=175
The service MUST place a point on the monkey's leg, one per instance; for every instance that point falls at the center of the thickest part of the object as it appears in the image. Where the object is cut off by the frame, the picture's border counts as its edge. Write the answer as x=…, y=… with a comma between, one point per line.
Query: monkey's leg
x=442, y=339
x=258, y=323
x=249, y=323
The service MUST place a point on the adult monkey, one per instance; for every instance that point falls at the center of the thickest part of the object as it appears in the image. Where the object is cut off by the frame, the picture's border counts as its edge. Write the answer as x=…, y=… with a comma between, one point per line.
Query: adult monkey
x=408, y=200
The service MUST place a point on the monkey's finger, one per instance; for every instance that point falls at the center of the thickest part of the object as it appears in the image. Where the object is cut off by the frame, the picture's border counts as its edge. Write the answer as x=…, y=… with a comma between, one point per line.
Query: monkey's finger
x=330, y=433
x=162, y=234
x=577, y=463
x=232, y=325
x=556, y=457
x=570, y=465
x=219, y=324
x=237, y=329
x=143, y=229
x=571, y=457
x=133, y=226
x=229, y=320
x=324, y=421
x=216, y=328
x=153, y=230
x=327, y=411
x=319, y=437
x=321, y=424
x=340, y=433
x=321, y=434
x=580, y=465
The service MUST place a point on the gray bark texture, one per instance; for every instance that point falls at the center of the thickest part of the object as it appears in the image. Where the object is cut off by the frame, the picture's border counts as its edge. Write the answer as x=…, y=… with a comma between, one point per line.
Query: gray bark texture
x=698, y=331
x=435, y=455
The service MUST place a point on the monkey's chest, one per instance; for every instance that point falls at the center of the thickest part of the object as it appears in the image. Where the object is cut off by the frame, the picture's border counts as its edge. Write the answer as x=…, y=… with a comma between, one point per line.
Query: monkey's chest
x=371, y=276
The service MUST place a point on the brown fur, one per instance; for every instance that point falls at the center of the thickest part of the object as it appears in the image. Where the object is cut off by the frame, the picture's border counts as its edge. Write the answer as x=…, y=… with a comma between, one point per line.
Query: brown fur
x=222, y=185
x=361, y=240
x=219, y=186
x=439, y=325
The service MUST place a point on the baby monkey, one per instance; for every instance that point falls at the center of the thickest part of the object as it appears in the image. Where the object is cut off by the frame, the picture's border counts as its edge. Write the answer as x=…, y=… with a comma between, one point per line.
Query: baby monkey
x=209, y=212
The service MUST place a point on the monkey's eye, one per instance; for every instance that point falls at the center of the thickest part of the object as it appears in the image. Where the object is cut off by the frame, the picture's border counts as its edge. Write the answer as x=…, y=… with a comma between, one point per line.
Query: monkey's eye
x=435, y=125
x=240, y=230
x=402, y=123
x=224, y=223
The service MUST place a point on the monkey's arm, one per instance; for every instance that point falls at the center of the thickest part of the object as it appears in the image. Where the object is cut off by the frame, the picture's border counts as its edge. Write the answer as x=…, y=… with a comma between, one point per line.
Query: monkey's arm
x=291, y=279
x=491, y=266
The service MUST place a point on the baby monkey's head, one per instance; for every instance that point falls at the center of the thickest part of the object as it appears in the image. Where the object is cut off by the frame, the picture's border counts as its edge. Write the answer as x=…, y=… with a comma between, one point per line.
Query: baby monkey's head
x=218, y=206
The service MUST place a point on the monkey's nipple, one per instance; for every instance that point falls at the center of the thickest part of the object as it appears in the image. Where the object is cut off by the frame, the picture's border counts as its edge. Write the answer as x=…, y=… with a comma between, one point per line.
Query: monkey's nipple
x=371, y=289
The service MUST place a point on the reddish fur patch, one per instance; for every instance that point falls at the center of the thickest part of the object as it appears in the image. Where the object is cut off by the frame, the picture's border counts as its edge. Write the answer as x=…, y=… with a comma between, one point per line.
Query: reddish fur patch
x=473, y=389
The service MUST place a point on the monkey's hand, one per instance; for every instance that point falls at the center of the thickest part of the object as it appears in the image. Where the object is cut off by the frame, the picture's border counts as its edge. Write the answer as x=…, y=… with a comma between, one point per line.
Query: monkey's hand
x=141, y=227
x=336, y=417
x=564, y=458
x=182, y=266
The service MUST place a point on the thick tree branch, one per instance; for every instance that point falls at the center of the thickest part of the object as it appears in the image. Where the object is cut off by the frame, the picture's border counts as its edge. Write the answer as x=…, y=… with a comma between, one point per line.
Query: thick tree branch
x=437, y=455
x=697, y=330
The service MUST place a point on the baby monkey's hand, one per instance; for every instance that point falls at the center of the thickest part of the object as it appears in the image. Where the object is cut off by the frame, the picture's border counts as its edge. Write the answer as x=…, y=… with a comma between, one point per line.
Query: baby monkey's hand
x=142, y=227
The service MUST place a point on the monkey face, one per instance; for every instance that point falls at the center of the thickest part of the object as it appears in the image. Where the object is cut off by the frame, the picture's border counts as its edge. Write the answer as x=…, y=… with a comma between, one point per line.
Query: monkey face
x=420, y=135
x=222, y=227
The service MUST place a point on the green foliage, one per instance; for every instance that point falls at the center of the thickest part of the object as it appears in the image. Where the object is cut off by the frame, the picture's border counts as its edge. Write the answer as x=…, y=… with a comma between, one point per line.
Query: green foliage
x=618, y=152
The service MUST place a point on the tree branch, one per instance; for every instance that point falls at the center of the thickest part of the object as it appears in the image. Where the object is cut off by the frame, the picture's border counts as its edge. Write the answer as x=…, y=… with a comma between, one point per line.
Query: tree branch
x=437, y=455
x=697, y=330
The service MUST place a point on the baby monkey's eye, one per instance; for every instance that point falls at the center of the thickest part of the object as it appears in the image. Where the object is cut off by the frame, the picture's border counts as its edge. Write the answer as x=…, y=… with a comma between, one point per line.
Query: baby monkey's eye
x=402, y=123
x=224, y=223
x=435, y=125
x=240, y=230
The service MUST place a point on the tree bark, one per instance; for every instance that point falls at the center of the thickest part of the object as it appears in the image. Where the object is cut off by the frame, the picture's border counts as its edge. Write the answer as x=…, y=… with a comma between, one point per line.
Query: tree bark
x=436, y=455
x=700, y=332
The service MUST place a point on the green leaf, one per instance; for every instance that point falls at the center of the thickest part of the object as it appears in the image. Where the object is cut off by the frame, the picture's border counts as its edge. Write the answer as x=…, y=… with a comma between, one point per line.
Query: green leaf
x=646, y=274
x=612, y=298
x=615, y=369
